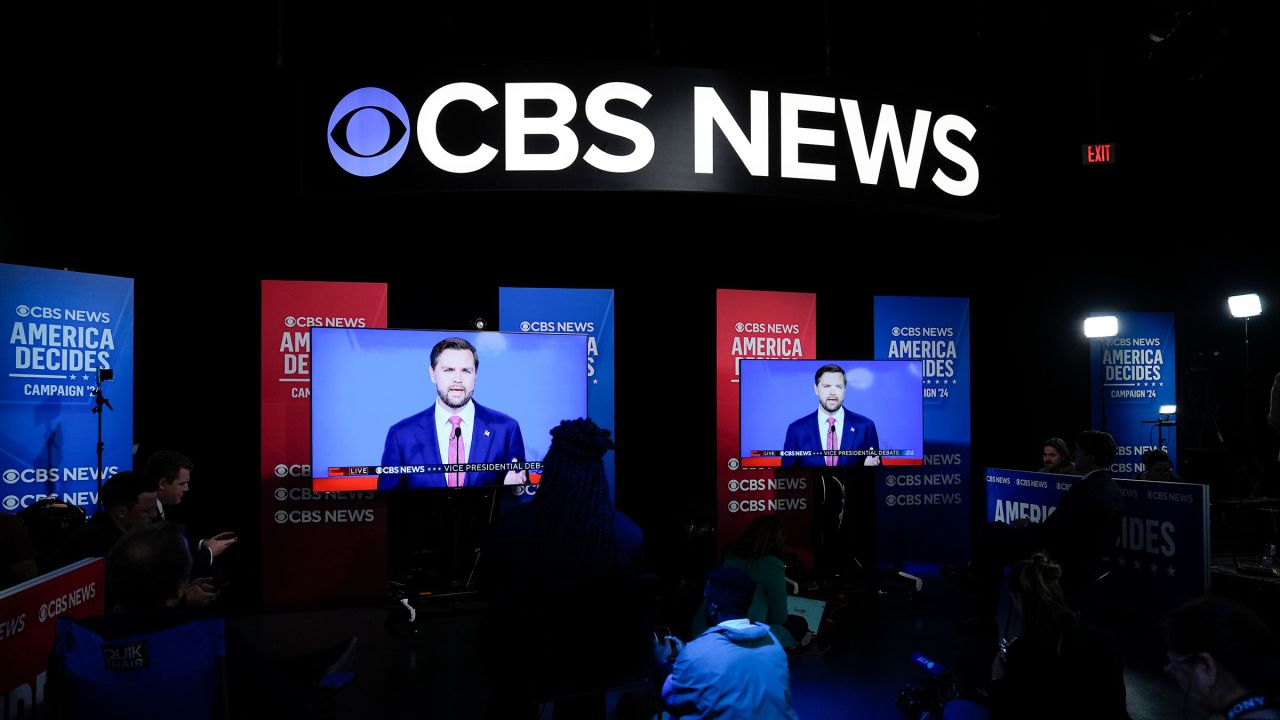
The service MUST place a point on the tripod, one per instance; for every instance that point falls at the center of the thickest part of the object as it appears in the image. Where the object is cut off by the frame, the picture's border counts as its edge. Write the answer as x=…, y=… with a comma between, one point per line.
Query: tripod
x=104, y=374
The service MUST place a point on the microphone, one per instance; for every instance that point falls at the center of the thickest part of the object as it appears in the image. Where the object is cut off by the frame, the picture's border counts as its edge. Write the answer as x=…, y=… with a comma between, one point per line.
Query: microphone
x=457, y=437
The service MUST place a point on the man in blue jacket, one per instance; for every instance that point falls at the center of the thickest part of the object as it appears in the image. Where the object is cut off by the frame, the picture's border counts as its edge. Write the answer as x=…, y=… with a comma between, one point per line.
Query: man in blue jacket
x=454, y=430
x=736, y=669
x=830, y=428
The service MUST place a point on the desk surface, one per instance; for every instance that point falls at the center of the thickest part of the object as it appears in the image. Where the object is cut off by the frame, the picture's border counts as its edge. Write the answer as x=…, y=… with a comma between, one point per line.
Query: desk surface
x=1247, y=502
x=1224, y=565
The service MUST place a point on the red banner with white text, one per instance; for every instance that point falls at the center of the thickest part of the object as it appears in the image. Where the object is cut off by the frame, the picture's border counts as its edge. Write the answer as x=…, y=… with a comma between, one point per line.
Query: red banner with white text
x=28, y=624
x=316, y=546
x=759, y=324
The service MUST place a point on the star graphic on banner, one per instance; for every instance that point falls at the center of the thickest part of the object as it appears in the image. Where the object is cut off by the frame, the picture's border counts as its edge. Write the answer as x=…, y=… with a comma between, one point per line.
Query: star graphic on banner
x=953, y=382
x=1137, y=564
x=1171, y=571
x=595, y=381
x=1154, y=569
x=1120, y=561
x=86, y=377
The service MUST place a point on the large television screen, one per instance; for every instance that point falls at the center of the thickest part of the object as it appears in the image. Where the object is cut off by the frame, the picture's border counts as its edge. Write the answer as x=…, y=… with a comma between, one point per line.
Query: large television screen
x=382, y=416
x=832, y=413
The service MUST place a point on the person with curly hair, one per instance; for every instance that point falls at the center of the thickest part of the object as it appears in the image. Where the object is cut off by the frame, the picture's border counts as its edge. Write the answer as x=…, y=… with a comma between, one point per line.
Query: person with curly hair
x=1056, y=457
x=562, y=562
x=570, y=530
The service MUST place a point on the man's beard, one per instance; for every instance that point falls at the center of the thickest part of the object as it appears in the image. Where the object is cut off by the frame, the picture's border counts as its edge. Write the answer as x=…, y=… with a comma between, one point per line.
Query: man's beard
x=444, y=398
x=826, y=406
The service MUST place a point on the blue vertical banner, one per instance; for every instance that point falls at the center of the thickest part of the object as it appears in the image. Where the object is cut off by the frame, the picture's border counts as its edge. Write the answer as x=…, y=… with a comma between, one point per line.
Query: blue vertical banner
x=576, y=311
x=63, y=328
x=922, y=512
x=1132, y=376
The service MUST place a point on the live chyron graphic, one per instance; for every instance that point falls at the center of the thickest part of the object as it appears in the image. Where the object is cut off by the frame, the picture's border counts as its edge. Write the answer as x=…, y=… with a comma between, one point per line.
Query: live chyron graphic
x=658, y=130
x=368, y=132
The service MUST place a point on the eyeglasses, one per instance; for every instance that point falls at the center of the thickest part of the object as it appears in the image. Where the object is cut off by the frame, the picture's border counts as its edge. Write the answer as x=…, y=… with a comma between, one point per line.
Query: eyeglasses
x=1176, y=663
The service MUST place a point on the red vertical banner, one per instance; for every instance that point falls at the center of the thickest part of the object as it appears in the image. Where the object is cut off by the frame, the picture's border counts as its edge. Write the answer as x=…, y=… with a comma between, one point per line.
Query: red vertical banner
x=316, y=547
x=755, y=324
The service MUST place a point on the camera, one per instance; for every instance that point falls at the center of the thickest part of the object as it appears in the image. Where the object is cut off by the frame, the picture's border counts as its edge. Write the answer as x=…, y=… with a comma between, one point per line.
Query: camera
x=925, y=700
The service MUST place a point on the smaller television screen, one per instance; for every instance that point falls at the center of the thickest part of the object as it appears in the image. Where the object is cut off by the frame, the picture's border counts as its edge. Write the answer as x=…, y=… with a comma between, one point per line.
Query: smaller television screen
x=385, y=416
x=832, y=413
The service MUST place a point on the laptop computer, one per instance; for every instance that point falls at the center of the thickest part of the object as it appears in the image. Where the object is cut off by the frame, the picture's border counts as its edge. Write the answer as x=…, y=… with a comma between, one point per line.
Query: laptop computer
x=807, y=608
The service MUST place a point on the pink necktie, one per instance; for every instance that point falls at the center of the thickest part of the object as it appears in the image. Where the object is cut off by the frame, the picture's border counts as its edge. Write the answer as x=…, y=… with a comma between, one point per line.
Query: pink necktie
x=457, y=452
x=831, y=441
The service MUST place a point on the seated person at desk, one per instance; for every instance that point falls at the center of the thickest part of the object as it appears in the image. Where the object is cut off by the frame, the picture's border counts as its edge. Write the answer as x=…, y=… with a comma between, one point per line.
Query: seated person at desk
x=759, y=554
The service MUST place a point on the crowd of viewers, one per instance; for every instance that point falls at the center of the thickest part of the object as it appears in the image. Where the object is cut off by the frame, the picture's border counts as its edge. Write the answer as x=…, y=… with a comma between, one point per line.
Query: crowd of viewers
x=588, y=572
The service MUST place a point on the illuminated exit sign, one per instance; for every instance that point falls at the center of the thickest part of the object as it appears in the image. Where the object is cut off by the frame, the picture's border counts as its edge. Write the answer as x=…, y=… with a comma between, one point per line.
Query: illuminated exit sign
x=1099, y=154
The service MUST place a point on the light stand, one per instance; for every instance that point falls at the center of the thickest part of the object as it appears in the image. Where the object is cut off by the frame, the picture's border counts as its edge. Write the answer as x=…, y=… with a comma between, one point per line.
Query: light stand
x=1161, y=422
x=104, y=374
x=1248, y=394
x=1245, y=307
x=1102, y=387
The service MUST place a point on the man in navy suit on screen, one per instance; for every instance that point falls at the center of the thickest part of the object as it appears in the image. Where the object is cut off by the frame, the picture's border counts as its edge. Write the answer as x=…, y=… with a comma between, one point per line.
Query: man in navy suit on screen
x=831, y=427
x=454, y=430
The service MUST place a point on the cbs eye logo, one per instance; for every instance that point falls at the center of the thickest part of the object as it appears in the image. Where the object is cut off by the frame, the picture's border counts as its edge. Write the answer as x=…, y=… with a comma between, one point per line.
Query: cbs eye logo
x=368, y=132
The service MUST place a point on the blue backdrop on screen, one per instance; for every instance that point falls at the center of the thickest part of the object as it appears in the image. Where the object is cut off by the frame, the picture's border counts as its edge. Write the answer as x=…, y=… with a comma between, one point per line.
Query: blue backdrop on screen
x=938, y=496
x=63, y=326
x=775, y=393
x=570, y=310
x=1136, y=372
x=363, y=381
x=1161, y=557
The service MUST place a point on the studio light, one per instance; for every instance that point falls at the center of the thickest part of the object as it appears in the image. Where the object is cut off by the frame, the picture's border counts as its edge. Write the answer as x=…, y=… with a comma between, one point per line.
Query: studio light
x=1245, y=306
x=1101, y=326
